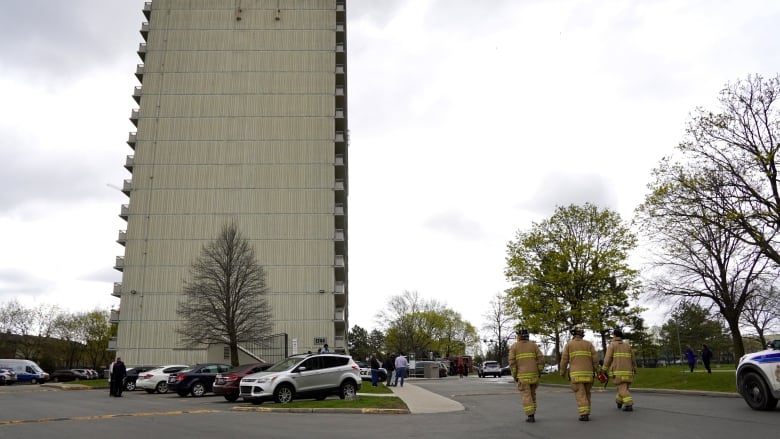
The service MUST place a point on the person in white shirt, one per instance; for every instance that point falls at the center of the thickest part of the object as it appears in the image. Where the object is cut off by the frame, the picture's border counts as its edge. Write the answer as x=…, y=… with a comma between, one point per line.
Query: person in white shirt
x=400, y=368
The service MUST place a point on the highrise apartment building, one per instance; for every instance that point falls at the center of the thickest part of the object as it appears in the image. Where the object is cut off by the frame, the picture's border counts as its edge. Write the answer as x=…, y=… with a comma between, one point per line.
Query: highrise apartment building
x=242, y=116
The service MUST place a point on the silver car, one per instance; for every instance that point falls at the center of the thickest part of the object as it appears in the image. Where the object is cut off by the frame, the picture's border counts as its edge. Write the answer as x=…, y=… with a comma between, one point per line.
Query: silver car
x=156, y=380
x=303, y=376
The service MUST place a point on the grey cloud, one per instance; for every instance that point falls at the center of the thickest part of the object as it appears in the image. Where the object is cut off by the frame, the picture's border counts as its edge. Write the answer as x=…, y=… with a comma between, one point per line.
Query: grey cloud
x=54, y=177
x=456, y=224
x=52, y=40
x=564, y=189
x=106, y=274
x=15, y=282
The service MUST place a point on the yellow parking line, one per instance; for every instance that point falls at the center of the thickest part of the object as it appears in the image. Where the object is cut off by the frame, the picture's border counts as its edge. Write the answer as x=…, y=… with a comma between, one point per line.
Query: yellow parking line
x=99, y=417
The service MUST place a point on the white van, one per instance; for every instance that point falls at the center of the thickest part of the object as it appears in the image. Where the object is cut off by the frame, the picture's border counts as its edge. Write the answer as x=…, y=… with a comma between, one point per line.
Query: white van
x=26, y=370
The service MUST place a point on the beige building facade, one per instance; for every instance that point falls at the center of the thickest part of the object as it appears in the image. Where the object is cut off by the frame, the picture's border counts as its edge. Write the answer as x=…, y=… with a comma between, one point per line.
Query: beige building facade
x=242, y=116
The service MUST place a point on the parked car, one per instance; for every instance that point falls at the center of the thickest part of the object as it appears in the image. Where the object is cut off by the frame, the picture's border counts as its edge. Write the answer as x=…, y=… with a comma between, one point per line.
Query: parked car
x=197, y=380
x=490, y=368
x=303, y=376
x=550, y=368
x=85, y=373
x=419, y=369
x=132, y=376
x=365, y=371
x=226, y=384
x=7, y=377
x=62, y=375
x=758, y=377
x=156, y=380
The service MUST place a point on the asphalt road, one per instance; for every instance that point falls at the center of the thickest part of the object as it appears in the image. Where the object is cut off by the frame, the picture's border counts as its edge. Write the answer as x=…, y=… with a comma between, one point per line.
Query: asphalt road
x=492, y=410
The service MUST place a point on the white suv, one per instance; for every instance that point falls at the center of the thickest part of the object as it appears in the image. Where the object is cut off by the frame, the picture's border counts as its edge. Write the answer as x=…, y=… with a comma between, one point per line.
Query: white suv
x=306, y=375
x=758, y=377
x=491, y=368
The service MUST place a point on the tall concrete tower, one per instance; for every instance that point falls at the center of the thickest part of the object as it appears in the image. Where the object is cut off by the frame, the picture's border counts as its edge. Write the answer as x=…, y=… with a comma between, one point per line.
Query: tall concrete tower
x=242, y=116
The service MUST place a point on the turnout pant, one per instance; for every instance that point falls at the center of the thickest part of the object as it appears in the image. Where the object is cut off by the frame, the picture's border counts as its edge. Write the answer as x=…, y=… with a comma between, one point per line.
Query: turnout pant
x=582, y=395
x=528, y=392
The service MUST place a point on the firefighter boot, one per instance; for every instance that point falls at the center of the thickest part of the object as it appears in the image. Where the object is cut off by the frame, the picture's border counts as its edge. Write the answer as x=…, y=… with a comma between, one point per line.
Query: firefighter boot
x=530, y=418
x=584, y=418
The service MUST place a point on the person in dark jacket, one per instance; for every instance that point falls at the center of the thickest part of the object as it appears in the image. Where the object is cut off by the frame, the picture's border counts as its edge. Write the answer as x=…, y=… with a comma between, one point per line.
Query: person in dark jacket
x=389, y=366
x=117, y=375
x=706, y=357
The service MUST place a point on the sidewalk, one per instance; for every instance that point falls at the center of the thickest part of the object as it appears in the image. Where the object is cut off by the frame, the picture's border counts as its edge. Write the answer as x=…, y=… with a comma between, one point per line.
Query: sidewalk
x=420, y=400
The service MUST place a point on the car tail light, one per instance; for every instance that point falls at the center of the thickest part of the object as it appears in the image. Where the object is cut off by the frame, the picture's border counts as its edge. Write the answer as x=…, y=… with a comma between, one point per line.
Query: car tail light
x=356, y=367
x=148, y=376
x=180, y=377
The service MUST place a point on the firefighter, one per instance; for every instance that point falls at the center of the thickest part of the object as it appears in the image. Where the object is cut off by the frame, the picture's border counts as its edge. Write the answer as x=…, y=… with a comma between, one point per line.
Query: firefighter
x=579, y=356
x=620, y=363
x=526, y=362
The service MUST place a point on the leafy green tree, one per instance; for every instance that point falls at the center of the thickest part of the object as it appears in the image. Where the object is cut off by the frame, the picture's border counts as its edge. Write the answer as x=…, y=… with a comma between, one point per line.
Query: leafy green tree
x=225, y=299
x=692, y=325
x=762, y=311
x=359, y=346
x=376, y=341
x=97, y=332
x=572, y=269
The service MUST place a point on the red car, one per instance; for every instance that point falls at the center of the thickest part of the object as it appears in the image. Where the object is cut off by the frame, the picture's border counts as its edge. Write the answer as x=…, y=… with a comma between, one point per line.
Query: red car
x=226, y=383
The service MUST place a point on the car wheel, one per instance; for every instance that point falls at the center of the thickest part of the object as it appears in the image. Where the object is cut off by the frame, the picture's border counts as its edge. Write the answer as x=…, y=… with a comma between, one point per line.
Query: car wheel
x=233, y=397
x=130, y=386
x=198, y=389
x=283, y=393
x=149, y=391
x=33, y=381
x=162, y=387
x=756, y=393
x=348, y=390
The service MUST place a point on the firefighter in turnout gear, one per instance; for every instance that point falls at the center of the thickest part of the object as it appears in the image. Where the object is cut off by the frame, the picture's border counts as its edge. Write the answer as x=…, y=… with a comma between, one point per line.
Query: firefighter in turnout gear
x=526, y=362
x=620, y=364
x=580, y=358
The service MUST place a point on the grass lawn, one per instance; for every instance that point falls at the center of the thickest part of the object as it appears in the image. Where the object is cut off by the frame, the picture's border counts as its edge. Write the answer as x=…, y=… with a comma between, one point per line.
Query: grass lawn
x=675, y=378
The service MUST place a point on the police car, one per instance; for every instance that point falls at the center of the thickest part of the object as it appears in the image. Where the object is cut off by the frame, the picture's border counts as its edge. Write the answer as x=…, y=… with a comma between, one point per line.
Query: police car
x=758, y=377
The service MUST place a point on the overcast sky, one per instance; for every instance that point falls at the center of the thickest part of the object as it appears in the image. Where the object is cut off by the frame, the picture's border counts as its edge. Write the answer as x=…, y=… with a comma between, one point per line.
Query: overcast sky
x=468, y=121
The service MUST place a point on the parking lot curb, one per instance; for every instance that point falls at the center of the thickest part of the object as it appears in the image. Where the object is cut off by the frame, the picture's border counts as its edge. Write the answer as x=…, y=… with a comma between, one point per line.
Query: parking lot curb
x=364, y=411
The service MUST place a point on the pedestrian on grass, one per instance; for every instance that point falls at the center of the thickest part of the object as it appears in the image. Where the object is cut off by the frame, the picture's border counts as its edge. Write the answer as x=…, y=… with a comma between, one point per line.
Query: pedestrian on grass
x=706, y=357
x=691, y=357
x=389, y=366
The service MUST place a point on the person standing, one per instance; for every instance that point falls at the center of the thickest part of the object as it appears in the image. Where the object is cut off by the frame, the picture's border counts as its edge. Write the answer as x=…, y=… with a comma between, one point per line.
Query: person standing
x=401, y=363
x=389, y=366
x=691, y=357
x=620, y=364
x=325, y=349
x=706, y=357
x=580, y=358
x=526, y=363
x=111, y=378
x=375, y=365
x=118, y=374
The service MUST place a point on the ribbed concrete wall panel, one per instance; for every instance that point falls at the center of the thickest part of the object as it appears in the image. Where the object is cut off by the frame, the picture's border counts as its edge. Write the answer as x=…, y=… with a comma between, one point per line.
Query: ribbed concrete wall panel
x=228, y=203
x=239, y=61
x=242, y=105
x=237, y=83
x=272, y=128
x=314, y=176
x=253, y=227
x=231, y=152
x=281, y=280
x=244, y=4
x=251, y=17
x=273, y=39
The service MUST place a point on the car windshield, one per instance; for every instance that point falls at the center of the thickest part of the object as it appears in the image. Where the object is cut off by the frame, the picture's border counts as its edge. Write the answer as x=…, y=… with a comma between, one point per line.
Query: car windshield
x=285, y=364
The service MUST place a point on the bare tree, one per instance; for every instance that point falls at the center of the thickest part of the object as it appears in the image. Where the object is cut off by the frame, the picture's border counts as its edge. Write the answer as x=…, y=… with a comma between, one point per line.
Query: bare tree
x=739, y=146
x=762, y=311
x=225, y=299
x=499, y=324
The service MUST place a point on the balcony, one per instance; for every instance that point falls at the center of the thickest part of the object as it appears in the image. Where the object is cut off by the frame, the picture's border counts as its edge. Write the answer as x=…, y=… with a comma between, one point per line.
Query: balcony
x=339, y=315
x=339, y=235
x=339, y=210
x=124, y=211
x=148, y=10
x=134, y=117
x=339, y=186
x=142, y=51
x=112, y=345
x=137, y=91
x=338, y=342
x=119, y=265
x=131, y=138
x=145, y=29
x=129, y=162
x=139, y=72
x=339, y=261
x=122, y=237
x=117, y=289
x=127, y=186
x=339, y=69
x=114, y=318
